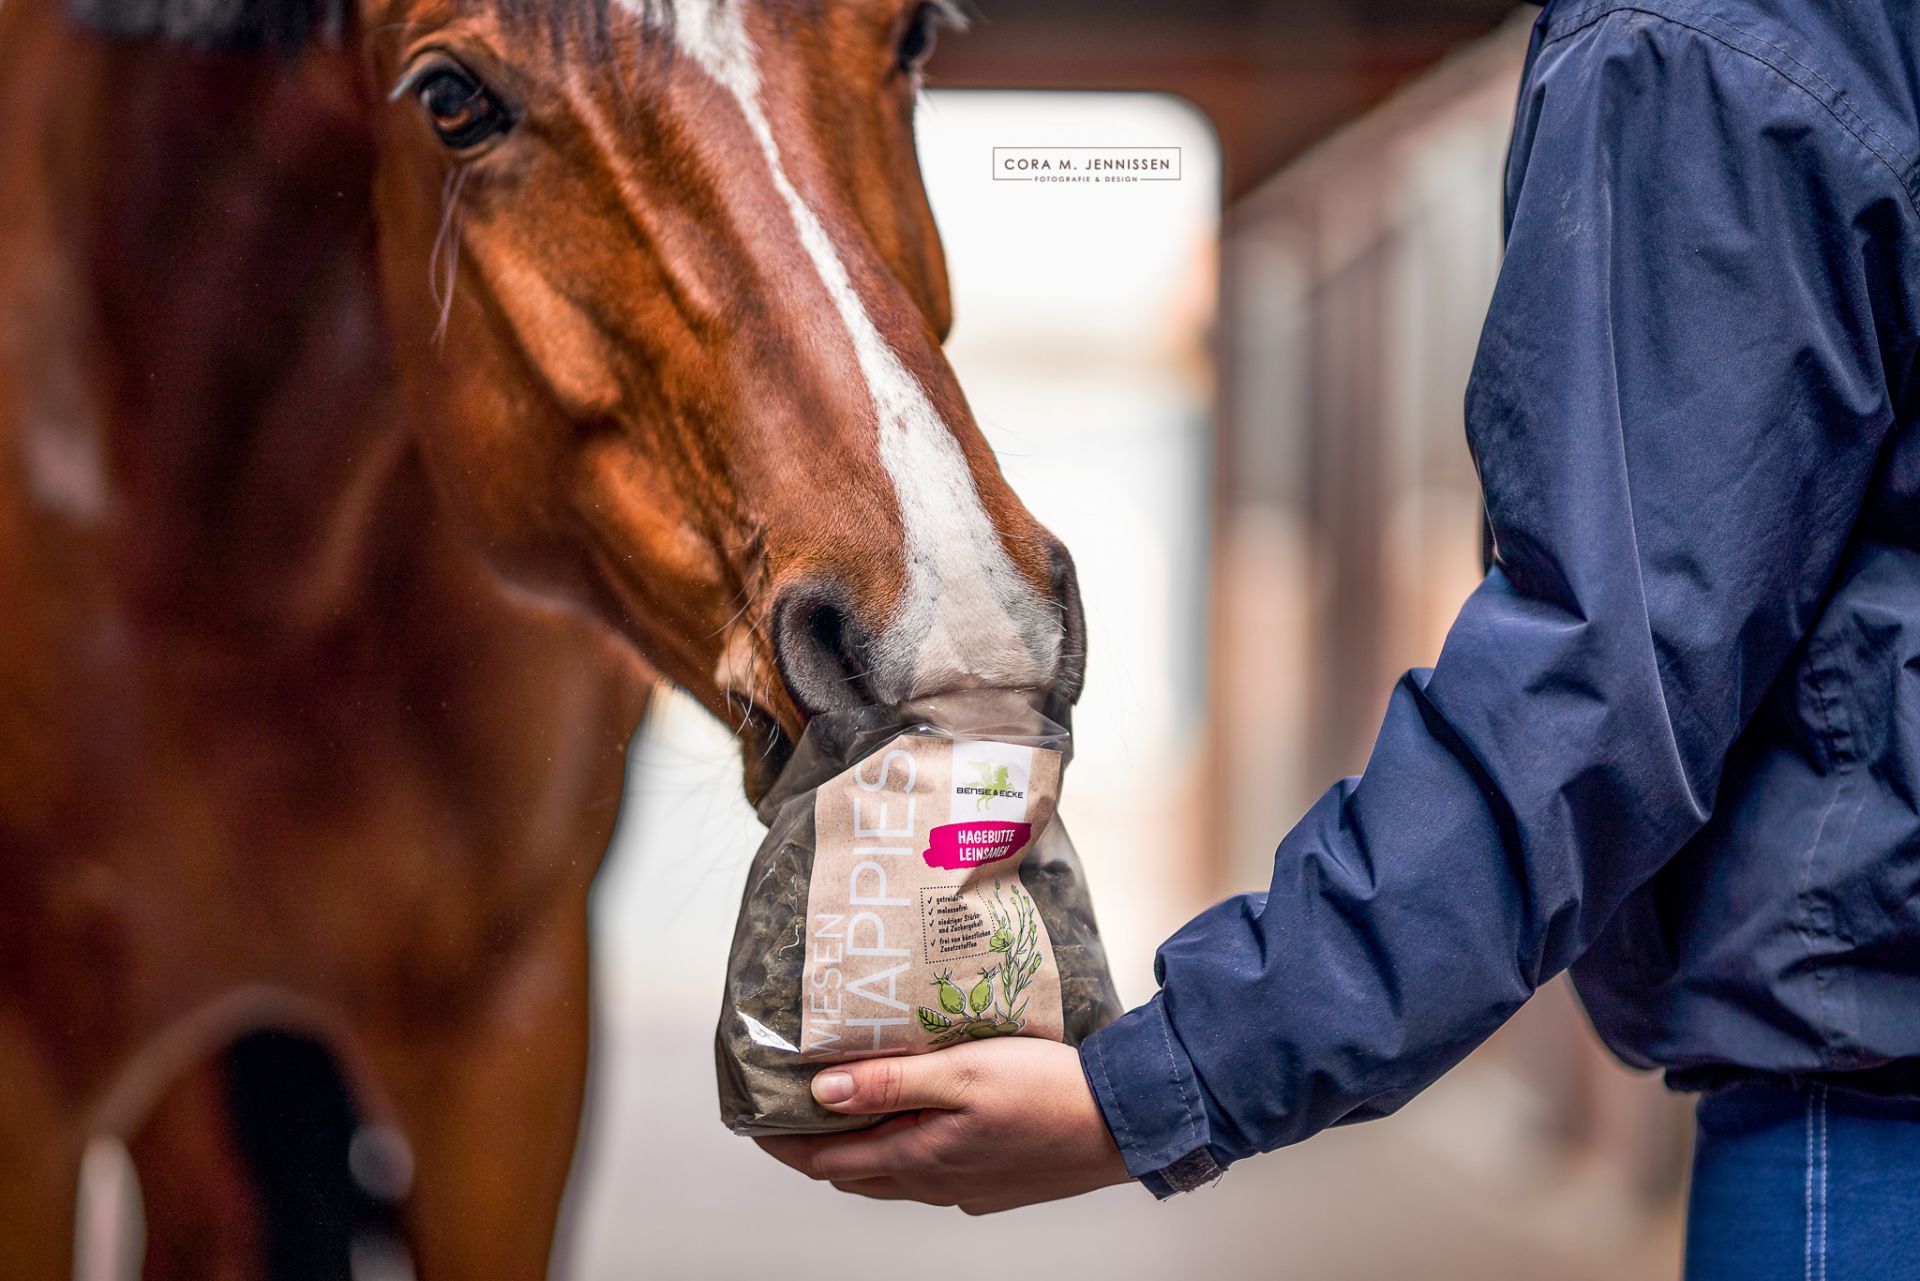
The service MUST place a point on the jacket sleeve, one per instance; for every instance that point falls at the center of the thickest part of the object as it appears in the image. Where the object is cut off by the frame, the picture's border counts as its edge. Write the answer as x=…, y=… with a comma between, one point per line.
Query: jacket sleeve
x=1676, y=407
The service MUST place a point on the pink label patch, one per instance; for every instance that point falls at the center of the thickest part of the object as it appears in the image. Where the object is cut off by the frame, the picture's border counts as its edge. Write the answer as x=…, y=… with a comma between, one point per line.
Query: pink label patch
x=958, y=846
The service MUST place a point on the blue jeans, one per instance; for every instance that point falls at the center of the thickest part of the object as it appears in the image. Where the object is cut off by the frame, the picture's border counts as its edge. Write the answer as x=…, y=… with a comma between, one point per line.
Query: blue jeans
x=1804, y=1183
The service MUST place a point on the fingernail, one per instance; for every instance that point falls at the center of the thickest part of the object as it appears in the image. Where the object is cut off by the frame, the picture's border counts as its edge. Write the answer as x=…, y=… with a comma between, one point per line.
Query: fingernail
x=833, y=1087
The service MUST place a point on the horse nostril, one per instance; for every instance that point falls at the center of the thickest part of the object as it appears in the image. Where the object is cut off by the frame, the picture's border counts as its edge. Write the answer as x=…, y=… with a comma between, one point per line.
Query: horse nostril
x=828, y=624
x=821, y=651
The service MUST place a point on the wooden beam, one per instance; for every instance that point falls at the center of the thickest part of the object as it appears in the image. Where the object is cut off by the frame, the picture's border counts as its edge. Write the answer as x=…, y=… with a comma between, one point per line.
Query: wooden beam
x=1273, y=79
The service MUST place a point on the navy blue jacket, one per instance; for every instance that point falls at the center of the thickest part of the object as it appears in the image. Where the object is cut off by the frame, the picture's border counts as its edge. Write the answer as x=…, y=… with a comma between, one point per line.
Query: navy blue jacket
x=1673, y=739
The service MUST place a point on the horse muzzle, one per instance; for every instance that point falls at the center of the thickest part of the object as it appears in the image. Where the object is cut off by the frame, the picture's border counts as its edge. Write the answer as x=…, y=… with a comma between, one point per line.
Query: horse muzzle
x=835, y=653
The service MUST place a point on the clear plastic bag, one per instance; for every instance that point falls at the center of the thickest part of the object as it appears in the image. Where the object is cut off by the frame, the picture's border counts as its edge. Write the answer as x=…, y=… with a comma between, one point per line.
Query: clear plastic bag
x=915, y=890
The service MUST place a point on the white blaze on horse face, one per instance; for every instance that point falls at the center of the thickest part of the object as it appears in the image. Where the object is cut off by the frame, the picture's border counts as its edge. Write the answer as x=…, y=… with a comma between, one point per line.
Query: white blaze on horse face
x=967, y=617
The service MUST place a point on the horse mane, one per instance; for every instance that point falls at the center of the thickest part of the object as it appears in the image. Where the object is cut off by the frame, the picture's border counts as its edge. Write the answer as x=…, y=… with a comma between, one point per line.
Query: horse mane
x=240, y=25
x=286, y=25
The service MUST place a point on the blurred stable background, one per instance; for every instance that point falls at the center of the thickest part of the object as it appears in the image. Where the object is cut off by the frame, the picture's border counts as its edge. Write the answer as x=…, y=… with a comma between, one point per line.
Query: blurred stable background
x=1237, y=397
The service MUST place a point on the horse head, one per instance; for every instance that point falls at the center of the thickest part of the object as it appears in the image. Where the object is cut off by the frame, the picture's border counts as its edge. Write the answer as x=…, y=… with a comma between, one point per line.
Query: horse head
x=667, y=302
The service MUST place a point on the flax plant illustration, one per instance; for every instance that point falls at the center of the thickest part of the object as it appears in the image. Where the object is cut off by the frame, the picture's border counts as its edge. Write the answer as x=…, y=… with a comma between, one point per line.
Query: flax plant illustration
x=996, y=1005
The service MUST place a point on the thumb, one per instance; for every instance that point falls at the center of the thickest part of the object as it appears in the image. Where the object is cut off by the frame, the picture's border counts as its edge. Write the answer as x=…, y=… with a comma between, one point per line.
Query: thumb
x=892, y=1085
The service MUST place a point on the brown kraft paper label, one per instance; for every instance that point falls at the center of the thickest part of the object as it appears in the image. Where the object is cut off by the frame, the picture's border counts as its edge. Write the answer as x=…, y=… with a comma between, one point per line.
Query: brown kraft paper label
x=919, y=932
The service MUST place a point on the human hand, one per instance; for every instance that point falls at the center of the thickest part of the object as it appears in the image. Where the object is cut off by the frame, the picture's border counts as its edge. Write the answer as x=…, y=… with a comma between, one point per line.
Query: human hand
x=1002, y=1124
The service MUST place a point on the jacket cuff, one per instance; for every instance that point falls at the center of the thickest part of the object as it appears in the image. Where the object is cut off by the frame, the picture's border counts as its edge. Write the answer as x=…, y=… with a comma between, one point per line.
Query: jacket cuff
x=1144, y=1083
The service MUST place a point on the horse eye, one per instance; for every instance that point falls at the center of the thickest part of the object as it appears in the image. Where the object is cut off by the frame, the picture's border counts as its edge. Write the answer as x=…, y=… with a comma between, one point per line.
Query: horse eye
x=465, y=113
x=916, y=43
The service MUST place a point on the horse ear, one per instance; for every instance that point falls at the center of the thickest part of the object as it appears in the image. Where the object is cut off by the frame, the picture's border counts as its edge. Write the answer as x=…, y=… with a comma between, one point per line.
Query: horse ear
x=285, y=25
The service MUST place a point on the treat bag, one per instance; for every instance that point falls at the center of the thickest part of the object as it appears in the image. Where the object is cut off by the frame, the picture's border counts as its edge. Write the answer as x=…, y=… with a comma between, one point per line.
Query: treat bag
x=915, y=891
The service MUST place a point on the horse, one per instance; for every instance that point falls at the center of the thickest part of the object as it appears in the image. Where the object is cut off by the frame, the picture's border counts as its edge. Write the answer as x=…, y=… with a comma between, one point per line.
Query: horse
x=392, y=394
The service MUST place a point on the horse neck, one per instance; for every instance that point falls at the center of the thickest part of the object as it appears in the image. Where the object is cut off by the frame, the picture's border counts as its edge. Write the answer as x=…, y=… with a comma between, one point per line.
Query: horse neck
x=236, y=372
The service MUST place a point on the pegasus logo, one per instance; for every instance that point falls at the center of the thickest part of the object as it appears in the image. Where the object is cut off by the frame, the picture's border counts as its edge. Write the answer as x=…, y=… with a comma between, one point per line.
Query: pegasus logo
x=992, y=782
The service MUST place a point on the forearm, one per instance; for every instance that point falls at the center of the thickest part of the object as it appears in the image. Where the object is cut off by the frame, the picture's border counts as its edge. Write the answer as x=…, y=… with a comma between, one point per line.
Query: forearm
x=1513, y=796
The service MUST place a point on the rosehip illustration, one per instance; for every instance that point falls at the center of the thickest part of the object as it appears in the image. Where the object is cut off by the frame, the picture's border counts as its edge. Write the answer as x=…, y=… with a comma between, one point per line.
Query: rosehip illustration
x=950, y=998
x=982, y=995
